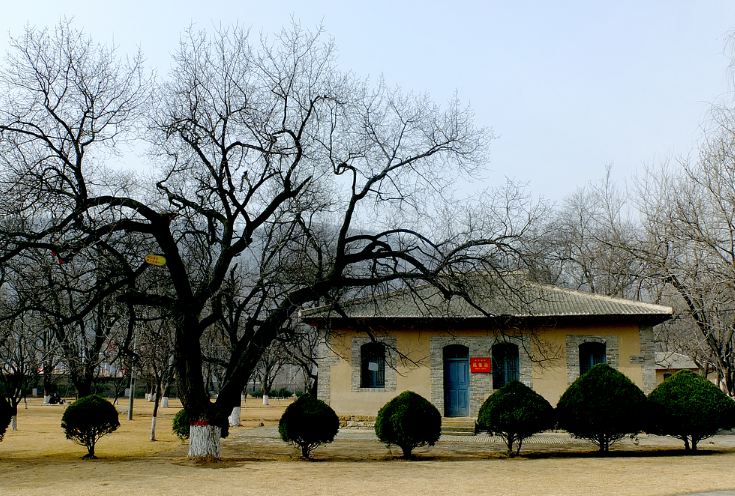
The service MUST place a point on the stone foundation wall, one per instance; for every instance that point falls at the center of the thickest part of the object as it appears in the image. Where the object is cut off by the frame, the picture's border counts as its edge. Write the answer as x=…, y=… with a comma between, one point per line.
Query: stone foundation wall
x=357, y=421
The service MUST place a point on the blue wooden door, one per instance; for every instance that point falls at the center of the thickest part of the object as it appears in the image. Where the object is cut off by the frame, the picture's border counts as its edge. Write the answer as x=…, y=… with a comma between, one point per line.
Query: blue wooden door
x=456, y=381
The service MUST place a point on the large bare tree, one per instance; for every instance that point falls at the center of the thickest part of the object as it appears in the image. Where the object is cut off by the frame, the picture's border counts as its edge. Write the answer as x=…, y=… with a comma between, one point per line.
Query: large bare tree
x=315, y=183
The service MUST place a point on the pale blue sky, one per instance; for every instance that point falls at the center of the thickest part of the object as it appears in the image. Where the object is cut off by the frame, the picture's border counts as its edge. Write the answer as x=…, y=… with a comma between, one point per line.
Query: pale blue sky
x=568, y=86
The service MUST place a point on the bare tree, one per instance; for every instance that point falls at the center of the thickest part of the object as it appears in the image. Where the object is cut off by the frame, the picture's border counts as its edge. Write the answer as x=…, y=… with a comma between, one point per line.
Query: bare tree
x=156, y=356
x=271, y=362
x=581, y=251
x=303, y=345
x=267, y=153
x=69, y=299
x=689, y=243
x=19, y=362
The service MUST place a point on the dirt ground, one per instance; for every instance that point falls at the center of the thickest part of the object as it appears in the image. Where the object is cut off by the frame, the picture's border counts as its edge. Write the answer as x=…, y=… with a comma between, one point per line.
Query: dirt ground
x=37, y=459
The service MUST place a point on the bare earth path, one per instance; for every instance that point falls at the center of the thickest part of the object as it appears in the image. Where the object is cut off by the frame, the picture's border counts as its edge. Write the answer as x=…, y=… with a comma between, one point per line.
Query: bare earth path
x=38, y=460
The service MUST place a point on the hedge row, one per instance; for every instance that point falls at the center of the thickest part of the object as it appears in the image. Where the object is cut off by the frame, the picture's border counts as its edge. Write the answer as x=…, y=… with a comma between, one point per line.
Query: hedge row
x=602, y=406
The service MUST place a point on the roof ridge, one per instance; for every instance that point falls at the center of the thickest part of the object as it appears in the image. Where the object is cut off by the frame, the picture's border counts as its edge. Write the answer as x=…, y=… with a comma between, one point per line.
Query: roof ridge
x=652, y=306
x=524, y=299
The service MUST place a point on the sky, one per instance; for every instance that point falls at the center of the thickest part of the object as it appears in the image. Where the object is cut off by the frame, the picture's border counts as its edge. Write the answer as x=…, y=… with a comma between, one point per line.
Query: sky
x=568, y=87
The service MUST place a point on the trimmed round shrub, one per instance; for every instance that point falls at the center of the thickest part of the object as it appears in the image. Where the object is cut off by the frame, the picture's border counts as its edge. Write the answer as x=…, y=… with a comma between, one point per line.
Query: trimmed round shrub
x=307, y=423
x=689, y=407
x=602, y=406
x=408, y=421
x=88, y=419
x=5, y=416
x=180, y=425
x=515, y=412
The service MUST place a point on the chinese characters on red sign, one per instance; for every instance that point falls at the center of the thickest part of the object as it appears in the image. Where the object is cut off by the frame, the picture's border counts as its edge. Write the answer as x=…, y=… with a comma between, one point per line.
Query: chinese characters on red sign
x=480, y=364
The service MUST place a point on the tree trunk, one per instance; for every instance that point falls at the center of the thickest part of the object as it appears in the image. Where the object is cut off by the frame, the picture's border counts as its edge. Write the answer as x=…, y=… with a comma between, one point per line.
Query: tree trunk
x=695, y=441
x=265, y=399
x=90, y=452
x=204, y=441
x=407, y=450
x=153, y=420
x=48, y=369
x=13, y=414
x=153, y=428
x=509, y=444
x=164, y=402
x=235, y=417
x=82, y=385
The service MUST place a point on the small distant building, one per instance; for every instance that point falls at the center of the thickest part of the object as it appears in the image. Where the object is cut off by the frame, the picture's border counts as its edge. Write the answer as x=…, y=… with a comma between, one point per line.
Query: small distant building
x=669, y=363
x=456, y=354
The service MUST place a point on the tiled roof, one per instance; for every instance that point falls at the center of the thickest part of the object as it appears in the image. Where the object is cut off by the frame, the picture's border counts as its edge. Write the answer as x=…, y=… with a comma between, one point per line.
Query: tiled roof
x=522, y=301
x=673, y=361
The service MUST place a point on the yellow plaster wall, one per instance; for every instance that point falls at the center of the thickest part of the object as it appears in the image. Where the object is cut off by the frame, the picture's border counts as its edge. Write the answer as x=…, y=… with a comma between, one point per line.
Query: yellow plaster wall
x=549, y=378
x=413, y=374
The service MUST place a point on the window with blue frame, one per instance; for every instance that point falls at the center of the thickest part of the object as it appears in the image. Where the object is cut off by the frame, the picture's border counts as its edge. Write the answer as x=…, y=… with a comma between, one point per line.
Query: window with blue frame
x=505, y=364
x=590, y=354
x=372, y=371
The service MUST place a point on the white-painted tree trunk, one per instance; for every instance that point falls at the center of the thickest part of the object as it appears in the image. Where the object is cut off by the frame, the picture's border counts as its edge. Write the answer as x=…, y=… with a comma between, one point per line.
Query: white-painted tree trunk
x=153, y=428
x=14, y=423
x=265, y=399
x=204, y=441
x=164, y=402
x=46, y=399
x=235, y=417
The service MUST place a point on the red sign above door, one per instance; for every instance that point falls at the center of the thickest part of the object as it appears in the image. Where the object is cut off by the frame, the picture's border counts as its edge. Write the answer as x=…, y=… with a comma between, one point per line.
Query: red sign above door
x=480, y=364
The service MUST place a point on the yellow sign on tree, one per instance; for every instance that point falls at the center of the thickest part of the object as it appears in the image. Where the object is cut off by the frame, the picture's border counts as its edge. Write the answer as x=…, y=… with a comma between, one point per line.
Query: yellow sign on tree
x=155, y=260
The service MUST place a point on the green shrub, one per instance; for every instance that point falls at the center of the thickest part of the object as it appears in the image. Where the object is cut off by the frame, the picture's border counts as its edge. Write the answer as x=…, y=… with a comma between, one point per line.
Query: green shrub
x=180, y=425
x=282, y=393
x=5, y=416
x=602, y=406
x=308, y=422
x=689, y=407
x=88, y=419
x=257, y=394
x=515, y=412
x=299, y=394
x=408, y=421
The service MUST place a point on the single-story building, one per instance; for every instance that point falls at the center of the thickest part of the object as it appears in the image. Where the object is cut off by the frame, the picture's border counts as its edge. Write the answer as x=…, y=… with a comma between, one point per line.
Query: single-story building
x=669, y=363
x=459, y=351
